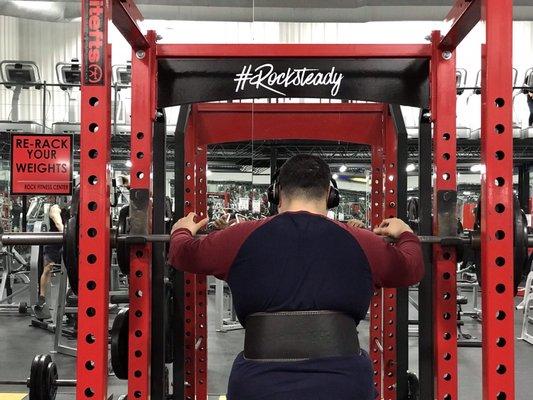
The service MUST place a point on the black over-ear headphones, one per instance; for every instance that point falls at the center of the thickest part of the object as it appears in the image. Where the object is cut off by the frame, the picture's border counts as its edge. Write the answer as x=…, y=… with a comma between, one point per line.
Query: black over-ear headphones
x=334, y=196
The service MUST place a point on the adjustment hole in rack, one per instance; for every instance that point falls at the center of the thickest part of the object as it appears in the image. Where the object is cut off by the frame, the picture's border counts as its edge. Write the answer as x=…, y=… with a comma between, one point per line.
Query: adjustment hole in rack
x=500, y=155
x=89, y=392
x=140, y=174
x=93, y=180
x=501, y=369
x=93, y=101
x=446, y=156
x=447, y=377
x=139, y=293
x=499, y=208
x=93, y=153
x=140, y=155
x=91, y=258
x=137, y=374
x=138, y=273
x=499, y=102
x=446, y=275
x=138, y=313
x=138, y=353
x=447, y=336
x=499, y=181
x=139, y=253
x=91, y=232
x=501, y=342
x=137, y=394
x=501, y=396
x=500, y=315
x=93, y=127
x=500, y=235
x=91, y=312
x=447, y=356
x=140, y=135
x=89, y=365
x=138, y=333
x=91, y=285
x=500, y=261
x=446, y=136
x=90, y=338
x=499, y=129
x=447, y=316
x=92, y=206
x=447, y=396
x=500, y=288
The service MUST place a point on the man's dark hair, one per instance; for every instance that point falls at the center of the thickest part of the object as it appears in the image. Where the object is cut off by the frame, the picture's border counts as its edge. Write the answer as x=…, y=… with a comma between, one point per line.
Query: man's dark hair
x=304, y=175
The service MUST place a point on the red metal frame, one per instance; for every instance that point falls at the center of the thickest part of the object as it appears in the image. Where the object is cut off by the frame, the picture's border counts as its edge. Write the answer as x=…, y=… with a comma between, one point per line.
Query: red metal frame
x=143, y=71
x=212, y=123
x=498, y=357
x=294, y=50
x=94, y=229
x=497, y=189
x=376, y=304
x=464, y=15
x=390, y=179
x=444, y=260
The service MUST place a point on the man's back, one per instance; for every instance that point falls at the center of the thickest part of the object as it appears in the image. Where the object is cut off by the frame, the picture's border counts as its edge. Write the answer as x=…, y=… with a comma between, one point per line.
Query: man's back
x=298, y=261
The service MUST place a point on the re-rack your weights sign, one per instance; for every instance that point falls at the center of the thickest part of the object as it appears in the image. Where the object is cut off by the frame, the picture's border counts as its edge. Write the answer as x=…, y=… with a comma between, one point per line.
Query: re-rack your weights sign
x=41, y=164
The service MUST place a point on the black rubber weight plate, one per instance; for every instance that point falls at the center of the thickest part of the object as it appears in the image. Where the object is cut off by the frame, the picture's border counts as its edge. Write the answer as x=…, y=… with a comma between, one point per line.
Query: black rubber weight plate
x=70, y=252
x=520, y=251
x=123, y=251
x=35, y=378
x=119, y=344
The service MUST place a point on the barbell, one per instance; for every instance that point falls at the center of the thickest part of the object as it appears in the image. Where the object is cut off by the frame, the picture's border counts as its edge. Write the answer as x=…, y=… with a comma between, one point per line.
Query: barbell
x=121, y=238
x=43, y=381
x=469, y=244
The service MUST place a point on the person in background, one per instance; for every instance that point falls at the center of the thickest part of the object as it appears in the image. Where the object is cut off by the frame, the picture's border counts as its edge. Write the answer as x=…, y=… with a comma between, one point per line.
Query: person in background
x=51, y=255
x=16, y=211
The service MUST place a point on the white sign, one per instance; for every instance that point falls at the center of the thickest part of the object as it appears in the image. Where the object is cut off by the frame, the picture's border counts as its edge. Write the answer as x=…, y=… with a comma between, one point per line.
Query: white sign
x=244, y=203
x=256, y=206
x=265, y=77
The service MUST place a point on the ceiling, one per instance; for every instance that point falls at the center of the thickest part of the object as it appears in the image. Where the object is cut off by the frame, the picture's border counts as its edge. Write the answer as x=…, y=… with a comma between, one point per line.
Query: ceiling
x=262, y=10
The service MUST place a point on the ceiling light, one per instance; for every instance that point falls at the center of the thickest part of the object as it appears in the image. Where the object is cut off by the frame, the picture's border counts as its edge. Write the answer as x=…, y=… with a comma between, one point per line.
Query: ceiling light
x=335, y=176
x=343, y=168
x=477, y=168
x=410, y=168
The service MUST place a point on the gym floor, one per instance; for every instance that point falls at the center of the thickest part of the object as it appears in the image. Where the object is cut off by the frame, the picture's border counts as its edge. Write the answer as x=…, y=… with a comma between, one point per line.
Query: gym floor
x=21, y=342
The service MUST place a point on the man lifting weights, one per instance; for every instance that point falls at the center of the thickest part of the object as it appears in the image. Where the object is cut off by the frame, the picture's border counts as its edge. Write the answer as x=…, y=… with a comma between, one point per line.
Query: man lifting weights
x=301, y=283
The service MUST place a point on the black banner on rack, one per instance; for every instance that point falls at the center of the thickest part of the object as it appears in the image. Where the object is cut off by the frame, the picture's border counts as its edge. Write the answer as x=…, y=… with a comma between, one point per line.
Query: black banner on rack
x=93, y=43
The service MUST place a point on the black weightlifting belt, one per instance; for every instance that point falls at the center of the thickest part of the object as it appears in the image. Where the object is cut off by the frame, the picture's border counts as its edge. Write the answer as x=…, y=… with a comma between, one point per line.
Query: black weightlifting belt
x=300, y=335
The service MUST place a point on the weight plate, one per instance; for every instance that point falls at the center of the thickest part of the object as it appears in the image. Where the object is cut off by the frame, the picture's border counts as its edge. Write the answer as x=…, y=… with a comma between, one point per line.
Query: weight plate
x=520, y=251
x=119, y=344
x=75, y=202
x=520, y=245
x=413, y=386
x=49, y=379
x=70, y=252
x=123, y=251
x=23, y=307
x=412, y=213
x=35, y=378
